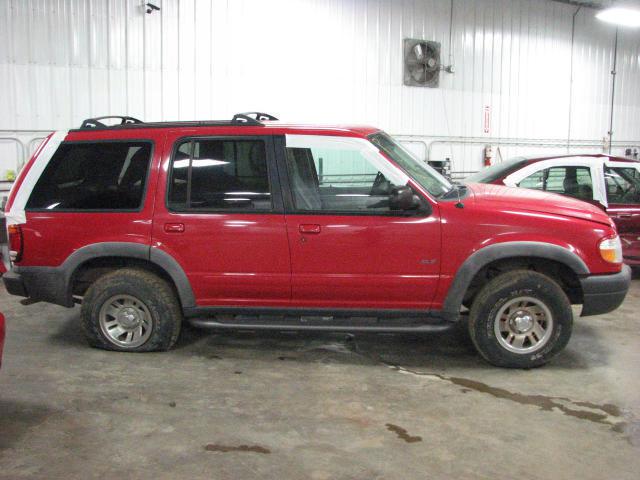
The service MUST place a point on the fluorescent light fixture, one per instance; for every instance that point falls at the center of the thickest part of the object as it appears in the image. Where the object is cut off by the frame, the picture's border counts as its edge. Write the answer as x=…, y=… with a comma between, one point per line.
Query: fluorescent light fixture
x=626, y=17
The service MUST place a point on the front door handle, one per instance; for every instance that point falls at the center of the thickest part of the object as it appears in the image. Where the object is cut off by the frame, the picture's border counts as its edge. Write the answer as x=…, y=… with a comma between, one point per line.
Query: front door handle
x=624, y=215
x=174, y=227
x=309, y=228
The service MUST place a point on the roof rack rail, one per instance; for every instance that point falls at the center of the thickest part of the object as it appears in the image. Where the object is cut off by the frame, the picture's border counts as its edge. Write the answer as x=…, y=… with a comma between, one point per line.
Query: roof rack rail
x=252, y=118
x=244, y=119
x=97, y=122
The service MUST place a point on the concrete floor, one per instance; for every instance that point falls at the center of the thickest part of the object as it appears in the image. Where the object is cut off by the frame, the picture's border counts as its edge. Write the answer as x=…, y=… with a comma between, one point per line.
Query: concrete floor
x=293, y=406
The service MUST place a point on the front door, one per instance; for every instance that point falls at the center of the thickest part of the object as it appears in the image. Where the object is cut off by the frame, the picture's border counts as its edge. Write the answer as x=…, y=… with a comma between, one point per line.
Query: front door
x=219, y=214
x=349, y=249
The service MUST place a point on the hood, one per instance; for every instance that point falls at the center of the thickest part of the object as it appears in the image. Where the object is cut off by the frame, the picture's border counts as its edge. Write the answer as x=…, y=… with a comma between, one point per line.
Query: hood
x=537, y=201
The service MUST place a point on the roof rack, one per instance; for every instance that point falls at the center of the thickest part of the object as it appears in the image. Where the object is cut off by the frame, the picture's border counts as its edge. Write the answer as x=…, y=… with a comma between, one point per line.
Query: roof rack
x=246, y=118
x=252, y=118
x=97, y=122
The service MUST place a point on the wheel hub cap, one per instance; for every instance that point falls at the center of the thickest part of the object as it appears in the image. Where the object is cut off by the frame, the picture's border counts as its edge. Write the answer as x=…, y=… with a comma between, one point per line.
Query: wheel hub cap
x=522, y=321
x=129, y=318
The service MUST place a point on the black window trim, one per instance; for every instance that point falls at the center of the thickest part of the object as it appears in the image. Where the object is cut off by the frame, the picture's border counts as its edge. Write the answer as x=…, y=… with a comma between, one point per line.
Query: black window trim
x=104, y=210
x=272, y=177
x=289, y=205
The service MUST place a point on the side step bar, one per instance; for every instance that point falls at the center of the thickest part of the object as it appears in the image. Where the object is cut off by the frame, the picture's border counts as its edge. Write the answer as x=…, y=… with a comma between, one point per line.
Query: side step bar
x=326, y=324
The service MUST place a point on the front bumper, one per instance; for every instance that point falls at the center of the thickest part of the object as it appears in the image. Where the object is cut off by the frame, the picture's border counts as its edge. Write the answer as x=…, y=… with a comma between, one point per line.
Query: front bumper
x=604, y=293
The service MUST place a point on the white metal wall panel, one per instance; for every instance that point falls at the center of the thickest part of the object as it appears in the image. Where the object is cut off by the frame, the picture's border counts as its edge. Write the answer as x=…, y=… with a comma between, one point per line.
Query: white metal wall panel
x=627, y=118
x=324, y=61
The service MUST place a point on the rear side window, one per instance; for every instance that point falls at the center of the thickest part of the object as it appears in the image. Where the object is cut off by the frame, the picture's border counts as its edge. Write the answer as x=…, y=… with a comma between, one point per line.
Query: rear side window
x=93, y=176
x=217, y=174
x=572, y=181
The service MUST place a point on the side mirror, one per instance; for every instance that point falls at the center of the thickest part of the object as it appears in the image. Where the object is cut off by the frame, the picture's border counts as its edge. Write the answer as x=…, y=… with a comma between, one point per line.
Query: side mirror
x=403, y=198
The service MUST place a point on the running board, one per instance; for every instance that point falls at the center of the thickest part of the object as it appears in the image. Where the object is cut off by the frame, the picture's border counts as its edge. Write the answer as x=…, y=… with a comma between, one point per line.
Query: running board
x=325, y=324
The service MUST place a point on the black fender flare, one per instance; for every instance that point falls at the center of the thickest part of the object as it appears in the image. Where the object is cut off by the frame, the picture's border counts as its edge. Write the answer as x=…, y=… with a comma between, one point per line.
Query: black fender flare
x=500, y=251
x=131, y=250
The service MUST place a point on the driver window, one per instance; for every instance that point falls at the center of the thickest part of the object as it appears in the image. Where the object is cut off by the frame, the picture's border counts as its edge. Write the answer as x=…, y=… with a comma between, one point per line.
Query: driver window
x=623, y=185
x=340, y=178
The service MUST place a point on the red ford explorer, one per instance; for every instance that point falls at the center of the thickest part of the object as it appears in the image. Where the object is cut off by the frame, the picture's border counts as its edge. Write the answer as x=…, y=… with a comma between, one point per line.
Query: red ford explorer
x=252, y=223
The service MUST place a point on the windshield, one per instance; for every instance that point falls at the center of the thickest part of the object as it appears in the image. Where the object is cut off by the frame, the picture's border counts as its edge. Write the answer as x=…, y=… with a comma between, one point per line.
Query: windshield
x=422, y=173
x=497, y=171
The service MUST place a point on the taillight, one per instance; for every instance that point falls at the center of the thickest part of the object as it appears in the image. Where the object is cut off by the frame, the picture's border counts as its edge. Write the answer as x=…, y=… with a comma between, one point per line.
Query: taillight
x=15, y=242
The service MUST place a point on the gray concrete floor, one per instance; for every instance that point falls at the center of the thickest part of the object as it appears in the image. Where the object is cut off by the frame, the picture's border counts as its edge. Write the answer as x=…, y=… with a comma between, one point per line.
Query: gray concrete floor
x=321, y=406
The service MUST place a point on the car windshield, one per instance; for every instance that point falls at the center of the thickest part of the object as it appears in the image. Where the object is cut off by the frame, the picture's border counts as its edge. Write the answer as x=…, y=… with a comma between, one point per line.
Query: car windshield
x=422, y=173
x=497, y=171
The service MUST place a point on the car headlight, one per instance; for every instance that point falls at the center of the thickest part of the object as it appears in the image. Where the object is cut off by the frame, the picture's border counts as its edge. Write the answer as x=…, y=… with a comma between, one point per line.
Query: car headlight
x=611, y=249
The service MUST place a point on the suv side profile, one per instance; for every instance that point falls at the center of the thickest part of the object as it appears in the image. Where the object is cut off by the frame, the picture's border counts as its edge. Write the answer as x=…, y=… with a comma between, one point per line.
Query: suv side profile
x=252, y=223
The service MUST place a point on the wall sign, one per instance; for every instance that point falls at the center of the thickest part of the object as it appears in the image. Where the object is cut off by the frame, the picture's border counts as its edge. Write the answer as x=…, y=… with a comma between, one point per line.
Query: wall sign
x=486, y=119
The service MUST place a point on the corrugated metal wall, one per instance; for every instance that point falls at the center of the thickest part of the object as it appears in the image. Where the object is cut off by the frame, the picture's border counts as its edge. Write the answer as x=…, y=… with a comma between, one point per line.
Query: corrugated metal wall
x=325, y=61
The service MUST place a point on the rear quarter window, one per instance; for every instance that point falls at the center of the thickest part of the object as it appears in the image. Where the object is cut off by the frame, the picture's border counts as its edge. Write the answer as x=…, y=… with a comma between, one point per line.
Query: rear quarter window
x=104, y=176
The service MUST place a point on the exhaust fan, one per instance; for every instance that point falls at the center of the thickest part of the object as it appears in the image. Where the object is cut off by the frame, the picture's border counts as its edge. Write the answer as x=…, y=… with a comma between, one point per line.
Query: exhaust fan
x=421, y=63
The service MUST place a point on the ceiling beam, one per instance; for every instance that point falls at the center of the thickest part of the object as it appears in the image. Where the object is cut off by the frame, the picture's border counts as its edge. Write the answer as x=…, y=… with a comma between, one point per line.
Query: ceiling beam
x=588, y=4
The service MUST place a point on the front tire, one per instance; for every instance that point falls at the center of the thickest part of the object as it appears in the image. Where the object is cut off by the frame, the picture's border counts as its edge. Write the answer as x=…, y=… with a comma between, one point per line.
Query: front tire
x=520, y=319
x=131, y=310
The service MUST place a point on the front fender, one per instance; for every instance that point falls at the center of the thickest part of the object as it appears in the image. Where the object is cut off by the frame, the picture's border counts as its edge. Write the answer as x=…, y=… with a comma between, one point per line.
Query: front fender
x=501, y=251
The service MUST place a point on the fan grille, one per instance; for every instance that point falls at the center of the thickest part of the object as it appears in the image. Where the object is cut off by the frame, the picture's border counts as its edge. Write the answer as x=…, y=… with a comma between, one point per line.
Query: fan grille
x=421, y=63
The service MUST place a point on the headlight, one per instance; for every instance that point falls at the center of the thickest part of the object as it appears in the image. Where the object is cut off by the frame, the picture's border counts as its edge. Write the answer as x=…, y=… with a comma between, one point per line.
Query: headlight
x=611, y=249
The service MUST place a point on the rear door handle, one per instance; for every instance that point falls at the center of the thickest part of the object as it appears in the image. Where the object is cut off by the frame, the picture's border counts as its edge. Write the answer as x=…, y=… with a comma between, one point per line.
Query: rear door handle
x=624, y=215
x=309, y=228
x=174, y=227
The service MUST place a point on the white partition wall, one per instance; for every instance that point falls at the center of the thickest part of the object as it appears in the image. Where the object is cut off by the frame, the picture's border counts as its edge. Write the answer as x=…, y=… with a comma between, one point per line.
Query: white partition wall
x=543, y=78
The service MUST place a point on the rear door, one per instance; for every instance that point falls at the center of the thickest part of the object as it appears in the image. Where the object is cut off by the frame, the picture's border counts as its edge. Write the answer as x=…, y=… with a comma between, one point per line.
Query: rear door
x=219, y=214
x=622, y=182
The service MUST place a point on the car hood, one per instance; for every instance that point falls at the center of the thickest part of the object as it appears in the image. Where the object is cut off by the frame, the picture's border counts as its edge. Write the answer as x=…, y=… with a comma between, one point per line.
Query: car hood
x=536, y=201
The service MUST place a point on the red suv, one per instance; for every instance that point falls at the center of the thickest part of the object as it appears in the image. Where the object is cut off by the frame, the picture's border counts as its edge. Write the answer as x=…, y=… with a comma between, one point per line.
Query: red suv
x=251, y=223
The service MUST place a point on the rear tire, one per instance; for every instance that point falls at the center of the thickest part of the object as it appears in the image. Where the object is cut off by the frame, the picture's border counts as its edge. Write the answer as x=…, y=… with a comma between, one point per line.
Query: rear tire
x=520, y=319
x=131, y=310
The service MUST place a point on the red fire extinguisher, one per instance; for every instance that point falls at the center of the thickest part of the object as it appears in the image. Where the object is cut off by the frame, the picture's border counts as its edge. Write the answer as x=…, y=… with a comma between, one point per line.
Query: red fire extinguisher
x=488, y=155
